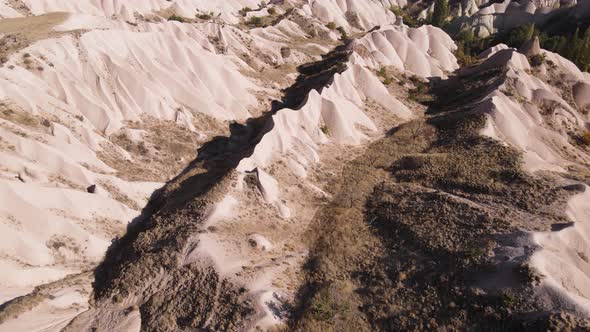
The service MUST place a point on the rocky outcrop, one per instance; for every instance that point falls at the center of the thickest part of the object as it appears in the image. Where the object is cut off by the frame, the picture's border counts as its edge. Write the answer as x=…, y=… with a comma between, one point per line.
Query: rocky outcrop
x=531, y=48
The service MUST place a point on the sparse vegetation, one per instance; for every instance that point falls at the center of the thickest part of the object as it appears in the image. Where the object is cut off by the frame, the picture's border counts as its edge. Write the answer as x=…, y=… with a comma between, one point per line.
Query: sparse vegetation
x=386, y=79
x=331, y=26
x=128, y=144
x=574, y=46
x=272, y=11
x=464, y=54
x=408, y=19
x=119, y=195
x=325, y=130
x=20, y=117
x=420, y=91
x=244, y=11
x=585, y=138
x=464, y=58
x=469, y=46
x=385, y=234
x=324, y=307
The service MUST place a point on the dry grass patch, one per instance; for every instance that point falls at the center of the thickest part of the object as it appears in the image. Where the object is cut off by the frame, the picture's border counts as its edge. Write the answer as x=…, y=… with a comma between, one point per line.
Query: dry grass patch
x=119, y=195
x=17, y=116
x=164, y=149
x=18, y=33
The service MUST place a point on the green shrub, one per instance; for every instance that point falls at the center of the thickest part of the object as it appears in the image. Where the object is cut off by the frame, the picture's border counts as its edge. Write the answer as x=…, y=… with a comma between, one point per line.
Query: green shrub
x=255, y=21
x=205, y=16
x=396, y=10
x=469, y=46
x=325, y=130
x=343, y=34
x=519, y=35
x=383, y=74
x=325, y=305
x=331, y=26
x=440, y=13
x=408, y=20
x=118, y=298
x=463, y=58
x=509, y=300
x=537, y=60
x=586, y=138
x=244, y=11
x=322, y=310
x=176, y=18
x=272, y=11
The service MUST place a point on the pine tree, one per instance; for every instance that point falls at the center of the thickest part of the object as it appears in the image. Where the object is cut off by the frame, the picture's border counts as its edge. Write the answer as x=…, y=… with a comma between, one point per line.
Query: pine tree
x=440, y=13
x=584, y=60
x=572, y=48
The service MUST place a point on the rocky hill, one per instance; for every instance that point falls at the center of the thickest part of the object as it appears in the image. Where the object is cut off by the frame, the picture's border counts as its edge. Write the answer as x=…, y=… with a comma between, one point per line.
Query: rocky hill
x=302, y=165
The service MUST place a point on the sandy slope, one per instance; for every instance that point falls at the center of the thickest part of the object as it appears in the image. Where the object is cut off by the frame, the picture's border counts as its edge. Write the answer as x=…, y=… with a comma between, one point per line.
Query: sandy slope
x=540, y=111
x=564, y=257
x=101, y=106
x=253, y=231
x=86, y=99
x=294, y=153
x=62, y=98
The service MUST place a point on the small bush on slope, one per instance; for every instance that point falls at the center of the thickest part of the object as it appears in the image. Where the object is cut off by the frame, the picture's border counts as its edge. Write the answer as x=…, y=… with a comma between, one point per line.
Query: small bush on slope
x=176, y=18
x=255, y=21
x=408, y=20
x=537, y=60
x=343, y=34
x=205, y=16
x=244, y=11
